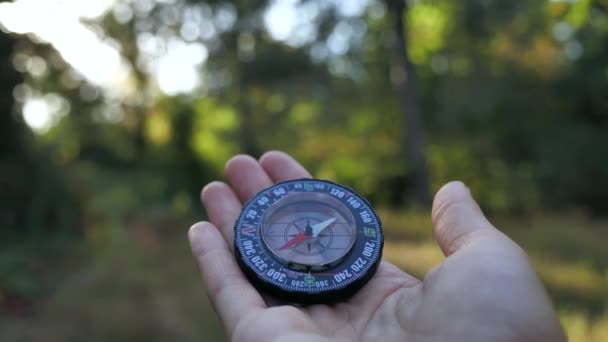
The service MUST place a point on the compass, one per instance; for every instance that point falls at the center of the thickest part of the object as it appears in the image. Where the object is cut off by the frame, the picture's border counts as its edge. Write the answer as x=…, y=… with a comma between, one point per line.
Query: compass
x=308, y=241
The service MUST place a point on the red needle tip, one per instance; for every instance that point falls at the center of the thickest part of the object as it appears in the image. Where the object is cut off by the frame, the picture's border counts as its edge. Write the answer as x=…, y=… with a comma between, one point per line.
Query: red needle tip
x=295, y=240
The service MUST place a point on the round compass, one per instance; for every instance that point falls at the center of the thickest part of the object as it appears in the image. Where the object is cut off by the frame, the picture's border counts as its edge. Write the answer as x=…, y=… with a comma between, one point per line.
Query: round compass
x=308, y=241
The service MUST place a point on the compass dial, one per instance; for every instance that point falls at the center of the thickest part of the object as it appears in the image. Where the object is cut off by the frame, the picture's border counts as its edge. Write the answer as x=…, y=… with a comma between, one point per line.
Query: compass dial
x=308, y=241
x=295, y=216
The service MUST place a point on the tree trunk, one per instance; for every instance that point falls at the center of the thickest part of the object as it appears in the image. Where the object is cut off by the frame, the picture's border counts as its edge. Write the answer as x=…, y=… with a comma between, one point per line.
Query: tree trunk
x=247, y=141
x=404, y=78
x=17, y=168
x=137, y=113
x=12, y=130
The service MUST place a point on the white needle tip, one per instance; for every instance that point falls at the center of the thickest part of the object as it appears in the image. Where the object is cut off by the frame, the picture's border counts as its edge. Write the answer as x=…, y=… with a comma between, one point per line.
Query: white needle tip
x=319, y=227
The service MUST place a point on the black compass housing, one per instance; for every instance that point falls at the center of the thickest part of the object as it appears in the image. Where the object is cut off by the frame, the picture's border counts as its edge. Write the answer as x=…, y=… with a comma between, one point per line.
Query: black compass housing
x=273, y=276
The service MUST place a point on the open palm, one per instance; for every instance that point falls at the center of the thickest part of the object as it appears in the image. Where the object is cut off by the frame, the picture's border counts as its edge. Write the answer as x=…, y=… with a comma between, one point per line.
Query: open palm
x=485, y=290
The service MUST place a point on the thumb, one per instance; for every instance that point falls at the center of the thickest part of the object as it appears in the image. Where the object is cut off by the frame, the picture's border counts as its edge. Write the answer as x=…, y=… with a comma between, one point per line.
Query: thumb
x=457, y=219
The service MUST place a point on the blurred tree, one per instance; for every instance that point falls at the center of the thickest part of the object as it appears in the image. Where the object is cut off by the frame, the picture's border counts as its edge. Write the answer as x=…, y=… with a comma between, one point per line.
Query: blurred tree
x=403, y=75
x=14, y=147
x=38, y=213
x=500, y=90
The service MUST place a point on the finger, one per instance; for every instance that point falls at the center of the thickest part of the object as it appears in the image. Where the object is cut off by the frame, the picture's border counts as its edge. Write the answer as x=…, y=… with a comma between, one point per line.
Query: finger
x=230, y=293
x=222, y=207
x=457, y=219
x=281, y=167
x=246, y=176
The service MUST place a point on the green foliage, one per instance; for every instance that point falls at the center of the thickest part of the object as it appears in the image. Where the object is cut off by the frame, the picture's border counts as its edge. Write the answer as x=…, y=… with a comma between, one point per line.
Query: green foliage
x=215, y=125
x=495, y=184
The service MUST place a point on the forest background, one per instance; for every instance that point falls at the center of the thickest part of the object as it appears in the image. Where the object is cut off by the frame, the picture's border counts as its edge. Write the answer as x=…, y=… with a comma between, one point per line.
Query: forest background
x=115, y=113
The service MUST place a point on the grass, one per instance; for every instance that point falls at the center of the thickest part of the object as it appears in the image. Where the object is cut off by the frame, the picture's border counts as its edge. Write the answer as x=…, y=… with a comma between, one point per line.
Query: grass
x=144, y=286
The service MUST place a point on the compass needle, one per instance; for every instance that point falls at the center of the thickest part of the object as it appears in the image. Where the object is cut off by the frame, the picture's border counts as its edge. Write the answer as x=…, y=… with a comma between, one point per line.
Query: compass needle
x=295, y=240
x=308, y=241
x=319, y=227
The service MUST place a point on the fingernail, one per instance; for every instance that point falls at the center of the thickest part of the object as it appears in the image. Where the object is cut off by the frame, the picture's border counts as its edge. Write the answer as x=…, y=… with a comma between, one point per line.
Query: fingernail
x=197, y=228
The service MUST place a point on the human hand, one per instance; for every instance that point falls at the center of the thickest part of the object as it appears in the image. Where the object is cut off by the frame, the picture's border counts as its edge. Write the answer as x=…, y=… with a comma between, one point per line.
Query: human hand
x=485, y=289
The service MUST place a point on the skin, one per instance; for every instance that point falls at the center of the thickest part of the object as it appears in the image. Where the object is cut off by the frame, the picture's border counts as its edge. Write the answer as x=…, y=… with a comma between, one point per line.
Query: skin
x=485, y=289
